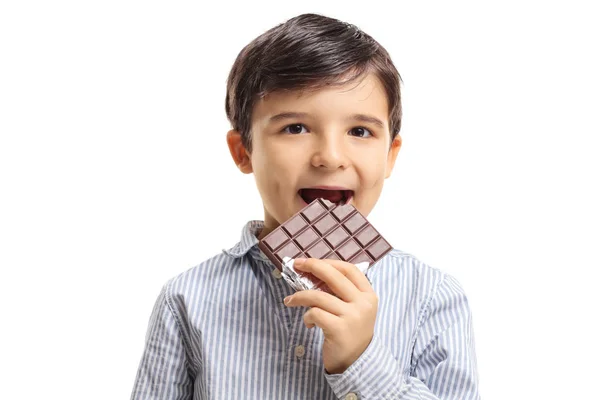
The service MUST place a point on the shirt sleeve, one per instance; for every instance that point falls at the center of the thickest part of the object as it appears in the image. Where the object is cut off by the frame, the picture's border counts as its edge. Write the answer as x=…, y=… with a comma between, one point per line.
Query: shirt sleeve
x=164, y=371
x=443, y=362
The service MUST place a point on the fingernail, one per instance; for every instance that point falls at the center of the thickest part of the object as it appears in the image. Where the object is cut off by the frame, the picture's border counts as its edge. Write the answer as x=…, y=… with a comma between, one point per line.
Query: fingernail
x=286, y=301
x=299, y=262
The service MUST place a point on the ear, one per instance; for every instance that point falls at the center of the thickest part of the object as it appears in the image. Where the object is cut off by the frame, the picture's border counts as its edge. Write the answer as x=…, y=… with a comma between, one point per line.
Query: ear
x=392, y=155
x=240, y=155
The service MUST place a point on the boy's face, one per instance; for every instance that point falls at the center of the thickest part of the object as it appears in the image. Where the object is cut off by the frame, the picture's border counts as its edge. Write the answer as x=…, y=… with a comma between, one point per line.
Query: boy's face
x=325, y=145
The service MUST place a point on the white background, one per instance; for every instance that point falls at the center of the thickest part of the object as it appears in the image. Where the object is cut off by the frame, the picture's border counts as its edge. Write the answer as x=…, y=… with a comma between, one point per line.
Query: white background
x=115, y=176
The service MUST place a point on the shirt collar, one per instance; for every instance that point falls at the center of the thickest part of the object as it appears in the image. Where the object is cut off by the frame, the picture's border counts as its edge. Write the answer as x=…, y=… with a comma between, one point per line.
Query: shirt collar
x=248, y=240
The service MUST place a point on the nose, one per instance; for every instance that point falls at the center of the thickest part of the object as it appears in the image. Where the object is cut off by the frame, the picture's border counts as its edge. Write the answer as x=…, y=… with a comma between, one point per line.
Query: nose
x=330, y=153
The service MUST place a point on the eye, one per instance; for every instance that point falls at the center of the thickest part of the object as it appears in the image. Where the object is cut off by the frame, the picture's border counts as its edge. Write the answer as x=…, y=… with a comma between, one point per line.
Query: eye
x=294, y=129
x=360, y=131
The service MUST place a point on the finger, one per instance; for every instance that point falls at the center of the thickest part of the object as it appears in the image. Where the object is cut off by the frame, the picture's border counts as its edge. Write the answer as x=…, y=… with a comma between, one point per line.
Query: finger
x=353, y=274
x=337, y=282
x=317, y=283
x=317, y=298
x=321, y=318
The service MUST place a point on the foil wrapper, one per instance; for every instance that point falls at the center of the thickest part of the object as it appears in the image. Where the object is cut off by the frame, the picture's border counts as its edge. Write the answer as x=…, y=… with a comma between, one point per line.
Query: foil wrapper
x=305, y=281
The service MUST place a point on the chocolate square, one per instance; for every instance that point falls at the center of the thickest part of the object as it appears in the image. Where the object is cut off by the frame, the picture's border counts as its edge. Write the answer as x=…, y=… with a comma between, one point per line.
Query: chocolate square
x=326, y=231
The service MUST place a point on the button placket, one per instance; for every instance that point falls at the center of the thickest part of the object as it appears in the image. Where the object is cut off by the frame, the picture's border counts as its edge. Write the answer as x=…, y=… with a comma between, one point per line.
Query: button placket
x=275, y=290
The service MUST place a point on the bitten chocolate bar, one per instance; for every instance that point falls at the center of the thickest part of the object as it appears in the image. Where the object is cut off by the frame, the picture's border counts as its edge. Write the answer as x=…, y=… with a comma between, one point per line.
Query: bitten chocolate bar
x=326, y=231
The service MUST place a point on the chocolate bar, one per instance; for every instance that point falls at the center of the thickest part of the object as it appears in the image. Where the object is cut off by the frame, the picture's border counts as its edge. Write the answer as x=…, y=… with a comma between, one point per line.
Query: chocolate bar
x=325, y=230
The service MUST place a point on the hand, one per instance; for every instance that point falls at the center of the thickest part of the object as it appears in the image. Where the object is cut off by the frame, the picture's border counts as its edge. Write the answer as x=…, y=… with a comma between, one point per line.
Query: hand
x=348, y=320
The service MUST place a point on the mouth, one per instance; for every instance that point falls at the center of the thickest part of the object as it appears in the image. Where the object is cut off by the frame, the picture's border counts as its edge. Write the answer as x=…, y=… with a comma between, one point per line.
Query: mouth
x=338, y=196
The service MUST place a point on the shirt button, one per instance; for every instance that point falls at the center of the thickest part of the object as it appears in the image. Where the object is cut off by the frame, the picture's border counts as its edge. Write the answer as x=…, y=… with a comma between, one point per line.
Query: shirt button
x=276, y=273
x=299, y=351
x=351, y=396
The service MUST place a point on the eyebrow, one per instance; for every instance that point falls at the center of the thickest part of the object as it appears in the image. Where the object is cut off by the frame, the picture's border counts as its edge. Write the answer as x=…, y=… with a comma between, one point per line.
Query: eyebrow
x=353, y=117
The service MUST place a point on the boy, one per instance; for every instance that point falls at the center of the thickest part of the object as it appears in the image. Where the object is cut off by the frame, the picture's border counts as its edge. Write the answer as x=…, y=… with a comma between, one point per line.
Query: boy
x=315, y=108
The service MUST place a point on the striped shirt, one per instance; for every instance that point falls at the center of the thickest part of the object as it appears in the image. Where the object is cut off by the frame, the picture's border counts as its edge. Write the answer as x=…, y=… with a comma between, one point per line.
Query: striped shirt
x=220, y=330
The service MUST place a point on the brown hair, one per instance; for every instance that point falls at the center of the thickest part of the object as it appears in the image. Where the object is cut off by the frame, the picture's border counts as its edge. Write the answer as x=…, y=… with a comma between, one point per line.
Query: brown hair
x=307, y=52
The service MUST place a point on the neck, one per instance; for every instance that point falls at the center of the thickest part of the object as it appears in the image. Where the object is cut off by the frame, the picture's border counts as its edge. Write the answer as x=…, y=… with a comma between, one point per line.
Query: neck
x=269, y=226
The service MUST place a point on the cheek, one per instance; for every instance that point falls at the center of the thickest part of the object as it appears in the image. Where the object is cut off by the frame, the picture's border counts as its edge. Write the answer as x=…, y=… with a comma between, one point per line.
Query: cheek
x=372, y=171
x=272, y=170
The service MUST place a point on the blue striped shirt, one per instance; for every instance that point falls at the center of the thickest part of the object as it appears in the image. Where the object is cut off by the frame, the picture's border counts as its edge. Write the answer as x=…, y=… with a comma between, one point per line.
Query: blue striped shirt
x=220, y=330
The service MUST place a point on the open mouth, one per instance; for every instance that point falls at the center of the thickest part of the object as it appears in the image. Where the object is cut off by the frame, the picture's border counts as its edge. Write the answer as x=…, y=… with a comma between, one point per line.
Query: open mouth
x=336, y=196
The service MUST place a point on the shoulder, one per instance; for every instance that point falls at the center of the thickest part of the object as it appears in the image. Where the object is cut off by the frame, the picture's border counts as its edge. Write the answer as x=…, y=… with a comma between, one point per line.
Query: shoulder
x=200, y=277
x=399, y=263
x=409, y=273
